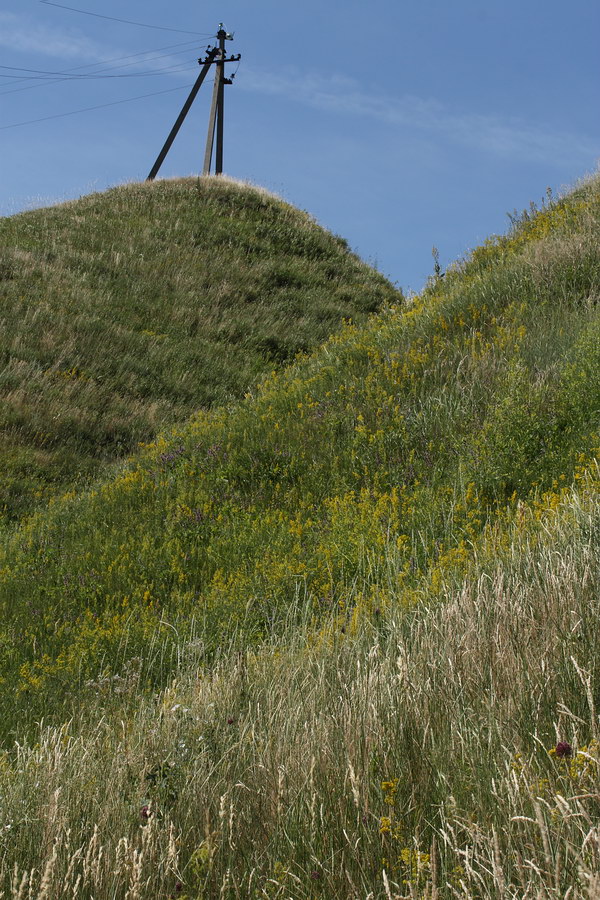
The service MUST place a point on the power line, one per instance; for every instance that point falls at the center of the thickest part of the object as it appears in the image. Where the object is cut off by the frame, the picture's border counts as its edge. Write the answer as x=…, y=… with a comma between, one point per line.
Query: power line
x=75, y=112
x=124, y=21
x=25, y=77
x=41, y=74
x=105, y=67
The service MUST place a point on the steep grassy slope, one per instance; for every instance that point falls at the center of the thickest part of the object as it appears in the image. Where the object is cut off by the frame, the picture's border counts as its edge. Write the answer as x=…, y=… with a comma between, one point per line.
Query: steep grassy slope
x=121, y=313
x=416, y=758
x=363, y=477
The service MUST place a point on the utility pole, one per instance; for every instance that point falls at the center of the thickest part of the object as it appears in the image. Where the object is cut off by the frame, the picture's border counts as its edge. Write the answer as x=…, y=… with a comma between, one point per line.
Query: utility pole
x=217, y=109
x=214, y=55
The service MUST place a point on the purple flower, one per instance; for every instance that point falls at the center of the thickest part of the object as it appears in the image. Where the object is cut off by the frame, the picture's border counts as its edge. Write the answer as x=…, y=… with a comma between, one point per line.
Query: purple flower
x=563, y=750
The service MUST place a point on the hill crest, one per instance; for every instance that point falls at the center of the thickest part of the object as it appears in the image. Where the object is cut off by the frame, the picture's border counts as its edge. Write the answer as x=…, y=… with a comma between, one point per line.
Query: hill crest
x=124, y=312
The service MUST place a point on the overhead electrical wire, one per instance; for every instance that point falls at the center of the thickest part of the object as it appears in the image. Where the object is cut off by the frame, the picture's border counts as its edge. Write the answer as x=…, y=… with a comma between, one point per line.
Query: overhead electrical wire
x=46, y=77
x=75, y=112
x=86, y=12
x=104, y=67
x=25, y=77
x=41, y=74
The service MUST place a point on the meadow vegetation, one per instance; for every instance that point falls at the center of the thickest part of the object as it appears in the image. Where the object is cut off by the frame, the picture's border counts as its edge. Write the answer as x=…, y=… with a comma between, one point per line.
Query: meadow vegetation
x=414, y=758
x=122, y=313
x=339, y=639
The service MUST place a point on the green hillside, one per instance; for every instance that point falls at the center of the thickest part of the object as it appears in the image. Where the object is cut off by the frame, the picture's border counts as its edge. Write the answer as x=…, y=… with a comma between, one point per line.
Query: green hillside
x=340, y=638
x=415, y=758
x=371, y=465
x=122, y=313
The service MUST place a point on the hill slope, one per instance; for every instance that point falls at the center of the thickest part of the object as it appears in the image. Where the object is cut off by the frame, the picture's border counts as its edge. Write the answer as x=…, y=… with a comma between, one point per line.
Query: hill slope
x=361, y=477
x=122, y=313
x=370, y=592
x=445, y=750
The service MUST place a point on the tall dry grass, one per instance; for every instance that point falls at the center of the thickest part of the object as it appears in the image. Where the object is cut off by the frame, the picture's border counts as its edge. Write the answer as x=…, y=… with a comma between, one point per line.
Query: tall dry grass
x=415, y=758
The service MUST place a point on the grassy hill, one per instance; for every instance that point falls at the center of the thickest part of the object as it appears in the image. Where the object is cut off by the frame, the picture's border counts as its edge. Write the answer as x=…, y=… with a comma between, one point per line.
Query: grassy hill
x=340, y=638
x=122, y=313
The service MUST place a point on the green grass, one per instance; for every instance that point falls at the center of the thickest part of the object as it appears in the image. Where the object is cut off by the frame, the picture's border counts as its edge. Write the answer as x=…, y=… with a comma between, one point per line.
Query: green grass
x=370, y=466
x=323, y=641
x=122, y=313
x=411, y=758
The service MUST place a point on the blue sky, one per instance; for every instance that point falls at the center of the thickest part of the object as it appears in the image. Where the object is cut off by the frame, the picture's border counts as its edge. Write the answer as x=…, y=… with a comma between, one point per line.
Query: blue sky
x=399, y=126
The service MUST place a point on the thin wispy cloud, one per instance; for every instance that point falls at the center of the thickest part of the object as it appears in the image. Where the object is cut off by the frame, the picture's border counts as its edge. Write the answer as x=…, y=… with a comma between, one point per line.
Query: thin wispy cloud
x=22, y=34
x=510, y=138
x=25, y=35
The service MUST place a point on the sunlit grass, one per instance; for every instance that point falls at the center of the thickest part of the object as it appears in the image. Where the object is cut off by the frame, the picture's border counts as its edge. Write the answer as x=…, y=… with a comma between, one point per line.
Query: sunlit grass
x=122, y=313
x=339, y=639
x=414, y=757
x=369, y=467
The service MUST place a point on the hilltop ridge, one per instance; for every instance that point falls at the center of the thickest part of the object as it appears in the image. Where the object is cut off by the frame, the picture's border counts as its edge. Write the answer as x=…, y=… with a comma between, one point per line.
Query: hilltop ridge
x=123, y=312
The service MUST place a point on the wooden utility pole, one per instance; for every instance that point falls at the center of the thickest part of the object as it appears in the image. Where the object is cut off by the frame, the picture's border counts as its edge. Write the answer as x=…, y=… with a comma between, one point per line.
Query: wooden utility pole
x=214, y=55
x=214, y=108
x=217, y=109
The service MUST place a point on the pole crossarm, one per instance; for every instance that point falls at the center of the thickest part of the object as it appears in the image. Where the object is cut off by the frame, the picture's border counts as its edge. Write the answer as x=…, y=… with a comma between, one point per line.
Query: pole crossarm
x=227, y=59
